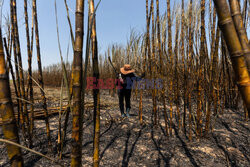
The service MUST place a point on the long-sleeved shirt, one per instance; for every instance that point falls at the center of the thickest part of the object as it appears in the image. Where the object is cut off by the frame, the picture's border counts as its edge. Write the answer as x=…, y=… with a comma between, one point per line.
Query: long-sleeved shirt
x=128, y=80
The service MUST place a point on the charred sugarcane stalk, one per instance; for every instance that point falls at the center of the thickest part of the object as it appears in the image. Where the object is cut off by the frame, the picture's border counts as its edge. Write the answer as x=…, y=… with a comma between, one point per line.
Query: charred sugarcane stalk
x=154, y=66
x=213, y=82
x=177, y=92
x=20, y=110
x=144, y=65
x=171, y=66
x=241, y=31
x=160, y=52
x=146, y=52
x=183, y=65
x=29, y=51
x=21, y=74
x=76, y=154
x=96, y=92
x=189, y=82
x=235, y=49
x=11, y=69
x=7, y=113
x=200, y=77
x=158, y=28
x=40, y=76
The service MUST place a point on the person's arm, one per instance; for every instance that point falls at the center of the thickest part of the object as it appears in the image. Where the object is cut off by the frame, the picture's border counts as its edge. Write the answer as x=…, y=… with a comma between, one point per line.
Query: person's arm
x=143, y=75
x=138, y=78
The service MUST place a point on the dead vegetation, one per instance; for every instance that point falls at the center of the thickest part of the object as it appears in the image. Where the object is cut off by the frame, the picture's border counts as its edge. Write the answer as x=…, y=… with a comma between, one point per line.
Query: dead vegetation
x=199, y=117
x=129, y=143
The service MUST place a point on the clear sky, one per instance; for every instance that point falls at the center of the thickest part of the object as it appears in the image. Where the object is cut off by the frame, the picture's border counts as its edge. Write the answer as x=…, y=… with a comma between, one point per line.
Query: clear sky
x=115, y=19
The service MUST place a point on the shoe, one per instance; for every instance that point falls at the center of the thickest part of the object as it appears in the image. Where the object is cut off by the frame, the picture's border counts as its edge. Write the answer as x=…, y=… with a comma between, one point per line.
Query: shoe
x=128, y=115
x=127, y=112
x=123, y=115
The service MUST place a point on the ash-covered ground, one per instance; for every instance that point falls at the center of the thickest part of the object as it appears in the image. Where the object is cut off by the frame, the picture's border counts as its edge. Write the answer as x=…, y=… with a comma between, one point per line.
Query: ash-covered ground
x=125, y=142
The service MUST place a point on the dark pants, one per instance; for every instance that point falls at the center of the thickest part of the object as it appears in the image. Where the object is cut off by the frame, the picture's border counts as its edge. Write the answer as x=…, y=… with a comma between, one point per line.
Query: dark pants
x=124, y=93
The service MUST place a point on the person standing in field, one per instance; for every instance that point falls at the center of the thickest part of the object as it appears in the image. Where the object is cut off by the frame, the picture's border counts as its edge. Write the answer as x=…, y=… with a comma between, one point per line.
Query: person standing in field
x=126, y=78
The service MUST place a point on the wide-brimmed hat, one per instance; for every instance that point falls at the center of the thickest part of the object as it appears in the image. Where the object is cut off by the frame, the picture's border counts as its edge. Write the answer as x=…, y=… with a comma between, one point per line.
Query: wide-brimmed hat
x=126, y=69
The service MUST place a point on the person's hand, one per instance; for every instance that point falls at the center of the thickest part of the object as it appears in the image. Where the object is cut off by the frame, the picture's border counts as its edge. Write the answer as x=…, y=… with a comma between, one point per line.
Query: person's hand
x=117, y=75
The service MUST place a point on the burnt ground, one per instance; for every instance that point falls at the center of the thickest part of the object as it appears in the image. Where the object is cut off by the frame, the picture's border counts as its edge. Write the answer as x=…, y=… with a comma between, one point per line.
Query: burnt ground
x=128, y=143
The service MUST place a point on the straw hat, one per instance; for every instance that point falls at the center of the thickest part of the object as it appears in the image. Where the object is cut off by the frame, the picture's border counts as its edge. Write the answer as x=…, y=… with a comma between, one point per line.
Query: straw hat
x=126, y=69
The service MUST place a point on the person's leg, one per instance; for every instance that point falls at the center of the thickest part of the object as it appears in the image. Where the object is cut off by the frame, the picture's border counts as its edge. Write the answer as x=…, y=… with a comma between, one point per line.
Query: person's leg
x=127, y=99
x=121, y=103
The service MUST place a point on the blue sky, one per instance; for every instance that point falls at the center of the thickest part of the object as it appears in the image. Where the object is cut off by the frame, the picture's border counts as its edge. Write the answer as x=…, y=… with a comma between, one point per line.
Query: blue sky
x=115, y=19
